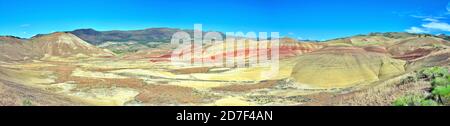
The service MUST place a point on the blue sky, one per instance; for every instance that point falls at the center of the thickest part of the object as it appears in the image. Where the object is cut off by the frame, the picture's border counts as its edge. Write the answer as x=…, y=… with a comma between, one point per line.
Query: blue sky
x=304, y=19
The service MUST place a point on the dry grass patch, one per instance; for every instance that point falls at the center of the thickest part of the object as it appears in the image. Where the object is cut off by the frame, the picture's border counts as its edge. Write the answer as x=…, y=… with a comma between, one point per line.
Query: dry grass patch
x=168, y=94
x=64, y=73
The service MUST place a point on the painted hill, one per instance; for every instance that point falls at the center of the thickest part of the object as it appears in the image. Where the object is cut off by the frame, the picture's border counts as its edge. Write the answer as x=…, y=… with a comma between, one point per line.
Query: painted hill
x=16, y=49
x=65, y=44
x=416, y=47
x=337, y=67
x=364, y=58
x=404, y=46
x=438, y=58
x=288, y=48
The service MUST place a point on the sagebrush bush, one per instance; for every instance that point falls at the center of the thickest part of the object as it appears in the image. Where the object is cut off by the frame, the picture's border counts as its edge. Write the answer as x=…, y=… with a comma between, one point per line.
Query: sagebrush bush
x=440, y=88
x=442, y=94
x=434, y=72
x=442, y=91
x=439, y=81
x=414, y=100
x=27, y=102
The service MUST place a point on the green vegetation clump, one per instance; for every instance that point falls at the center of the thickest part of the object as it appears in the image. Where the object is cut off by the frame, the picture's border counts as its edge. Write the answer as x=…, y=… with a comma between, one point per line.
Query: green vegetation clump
x=442, y=91
x=27, y=102
x=414, y=100
x=442, y=94
x=440, y=82
x=439, y=79
x=433, y=72
x=437, y=46
x=122, y=52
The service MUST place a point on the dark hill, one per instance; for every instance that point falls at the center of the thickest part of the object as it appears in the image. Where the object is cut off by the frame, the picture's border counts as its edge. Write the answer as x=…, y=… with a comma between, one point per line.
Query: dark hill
x=143, y=36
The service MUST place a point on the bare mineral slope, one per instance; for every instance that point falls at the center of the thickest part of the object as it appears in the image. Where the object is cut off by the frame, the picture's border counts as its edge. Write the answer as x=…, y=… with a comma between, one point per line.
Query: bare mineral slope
x=338, y=67
x=287, y=48
x=15, y=94
x=361, y=41
x=439, y=58
x=413, y=48
x=15, y=49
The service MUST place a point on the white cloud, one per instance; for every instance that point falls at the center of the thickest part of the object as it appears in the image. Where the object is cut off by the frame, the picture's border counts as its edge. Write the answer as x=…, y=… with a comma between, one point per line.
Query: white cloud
x=431, y=19
x=416, y=30
x=427, y=17
x=442, y=26
x=432, y=23
x=448, y=7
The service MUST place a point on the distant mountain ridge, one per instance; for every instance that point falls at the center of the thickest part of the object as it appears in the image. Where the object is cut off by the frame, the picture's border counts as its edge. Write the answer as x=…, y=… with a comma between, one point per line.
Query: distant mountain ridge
x=164, y=35
x=142, y=36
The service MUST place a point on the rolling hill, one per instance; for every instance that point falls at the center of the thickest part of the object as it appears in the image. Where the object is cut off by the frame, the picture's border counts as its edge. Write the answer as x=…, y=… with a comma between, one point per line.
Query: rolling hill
x=338, y=67
x=16, y=49
x=56, y=44
x=62, y=44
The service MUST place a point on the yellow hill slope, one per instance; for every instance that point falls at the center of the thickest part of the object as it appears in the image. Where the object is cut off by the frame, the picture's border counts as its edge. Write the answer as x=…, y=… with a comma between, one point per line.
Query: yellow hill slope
x=338, y=67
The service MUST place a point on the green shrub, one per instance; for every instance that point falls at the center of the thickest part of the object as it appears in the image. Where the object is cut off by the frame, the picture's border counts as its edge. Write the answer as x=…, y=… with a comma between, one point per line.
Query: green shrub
x=414, y=100
x=118, y=52
x=440, y=81
x=442, y=94
x=437, y=46
x=442, y=91
x=434, y=72
x=429, y=102
x=27, y=102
